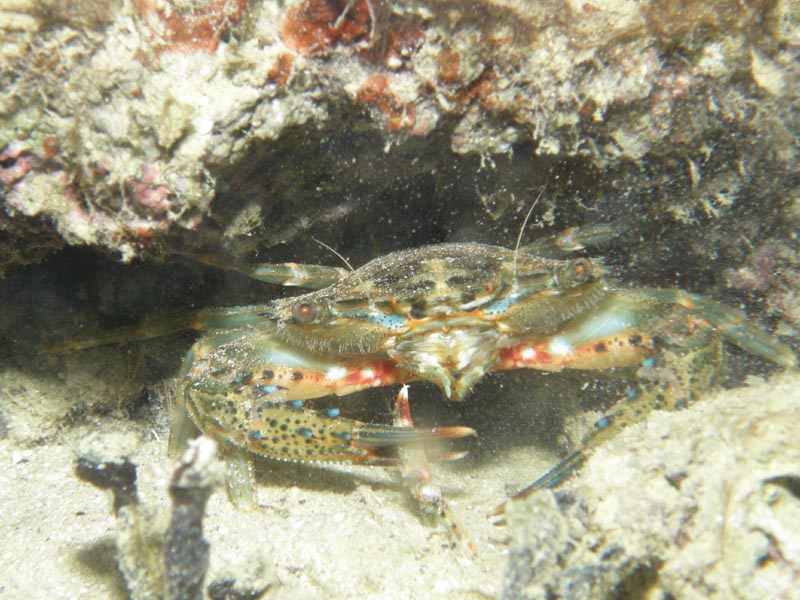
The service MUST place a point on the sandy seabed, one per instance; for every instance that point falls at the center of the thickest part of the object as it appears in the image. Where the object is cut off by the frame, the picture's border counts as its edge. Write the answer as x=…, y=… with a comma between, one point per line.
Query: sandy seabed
x=339, y=532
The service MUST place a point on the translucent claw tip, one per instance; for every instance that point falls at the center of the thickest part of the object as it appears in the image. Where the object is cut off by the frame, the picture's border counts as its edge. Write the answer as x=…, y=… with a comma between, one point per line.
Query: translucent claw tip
x=497, y=516
x=452, y=432
x=453, y=456
x=498, y=511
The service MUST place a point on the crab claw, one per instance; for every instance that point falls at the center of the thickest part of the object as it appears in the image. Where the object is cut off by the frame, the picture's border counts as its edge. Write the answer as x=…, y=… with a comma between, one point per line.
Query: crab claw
x=550, y=479
x=390, y=435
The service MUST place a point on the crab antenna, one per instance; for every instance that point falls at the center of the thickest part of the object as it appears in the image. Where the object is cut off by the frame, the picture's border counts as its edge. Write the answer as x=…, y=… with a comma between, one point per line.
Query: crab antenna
x=521, y=231
x=349, y=266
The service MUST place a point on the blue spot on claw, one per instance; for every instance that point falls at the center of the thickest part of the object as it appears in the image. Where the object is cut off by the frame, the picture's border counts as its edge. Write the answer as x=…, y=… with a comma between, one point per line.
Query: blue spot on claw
x=332, y=413
x=263, y=390
x=297, y=404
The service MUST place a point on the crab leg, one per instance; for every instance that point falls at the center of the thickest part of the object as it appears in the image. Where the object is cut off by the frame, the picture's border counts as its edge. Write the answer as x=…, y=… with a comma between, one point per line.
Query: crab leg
x=630, y=327
x=313, y=277
x=550, y=479
x=625, y=326
x=572, y=239
x=237, y=317
x=682, y=378
x=287, y=274
x=417, y=475
x=733, y=326
x=690, y=373
x=260, y=405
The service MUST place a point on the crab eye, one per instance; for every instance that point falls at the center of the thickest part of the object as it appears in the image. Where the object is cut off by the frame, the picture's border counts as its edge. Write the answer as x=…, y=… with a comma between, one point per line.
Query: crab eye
x=304, y=311
x=580, y=270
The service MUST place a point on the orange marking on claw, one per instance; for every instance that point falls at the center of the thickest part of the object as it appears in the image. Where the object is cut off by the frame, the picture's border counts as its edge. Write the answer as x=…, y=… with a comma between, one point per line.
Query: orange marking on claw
x=524, y=355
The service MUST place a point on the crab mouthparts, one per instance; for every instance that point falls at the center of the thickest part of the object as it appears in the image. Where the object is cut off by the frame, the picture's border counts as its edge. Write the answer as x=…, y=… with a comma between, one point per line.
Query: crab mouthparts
x=454, y=358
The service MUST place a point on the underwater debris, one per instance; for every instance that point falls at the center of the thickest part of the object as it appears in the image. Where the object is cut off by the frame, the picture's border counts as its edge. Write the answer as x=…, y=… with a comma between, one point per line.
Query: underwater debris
x=185, y=550
x=159, y=560
x=119, y=476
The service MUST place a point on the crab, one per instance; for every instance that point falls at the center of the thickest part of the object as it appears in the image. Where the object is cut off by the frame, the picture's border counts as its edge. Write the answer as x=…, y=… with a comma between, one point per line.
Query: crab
x=449, y=314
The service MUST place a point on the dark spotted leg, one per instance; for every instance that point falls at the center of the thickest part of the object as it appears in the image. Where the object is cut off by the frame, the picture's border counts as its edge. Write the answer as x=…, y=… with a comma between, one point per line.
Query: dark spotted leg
x=671, y=383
